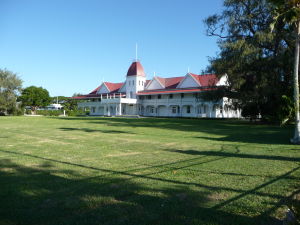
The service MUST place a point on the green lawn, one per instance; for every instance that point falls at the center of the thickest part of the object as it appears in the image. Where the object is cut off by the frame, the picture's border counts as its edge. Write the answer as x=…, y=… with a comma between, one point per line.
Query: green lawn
x=144, y=171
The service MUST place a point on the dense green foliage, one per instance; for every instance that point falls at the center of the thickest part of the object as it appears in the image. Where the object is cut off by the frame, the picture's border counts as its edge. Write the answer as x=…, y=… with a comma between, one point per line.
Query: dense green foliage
x=35, y=97
x=10, y=86
x=69, y=104
x=117, y=171
x=49, y=112
x=257, y=59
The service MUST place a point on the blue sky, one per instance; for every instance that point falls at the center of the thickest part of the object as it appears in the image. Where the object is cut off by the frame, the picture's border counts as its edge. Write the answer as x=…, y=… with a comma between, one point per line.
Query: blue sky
x=69, y=46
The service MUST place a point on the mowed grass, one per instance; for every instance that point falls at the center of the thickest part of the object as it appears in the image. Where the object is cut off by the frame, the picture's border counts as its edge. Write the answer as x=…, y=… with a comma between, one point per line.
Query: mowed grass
x=144, y=171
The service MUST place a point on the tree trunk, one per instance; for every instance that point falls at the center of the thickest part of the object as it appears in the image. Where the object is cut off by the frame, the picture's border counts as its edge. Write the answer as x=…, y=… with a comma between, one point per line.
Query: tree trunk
x=296, y=138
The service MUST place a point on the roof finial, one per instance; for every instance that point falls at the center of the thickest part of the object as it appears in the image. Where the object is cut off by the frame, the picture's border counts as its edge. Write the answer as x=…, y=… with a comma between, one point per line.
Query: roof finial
x=136, y=52
x=154, y=74
x=188, y=69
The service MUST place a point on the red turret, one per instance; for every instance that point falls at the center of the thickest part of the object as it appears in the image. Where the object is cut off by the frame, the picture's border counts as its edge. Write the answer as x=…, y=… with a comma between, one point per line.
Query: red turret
x=136, y=69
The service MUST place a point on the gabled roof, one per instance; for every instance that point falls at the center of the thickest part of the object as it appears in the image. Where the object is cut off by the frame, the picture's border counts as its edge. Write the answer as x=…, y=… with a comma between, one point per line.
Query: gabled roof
x=168, y=83
x=172, y=82
x=93, y=92
x=136, y=69
x=206, y=82
x=113, y=87
x=206, y=79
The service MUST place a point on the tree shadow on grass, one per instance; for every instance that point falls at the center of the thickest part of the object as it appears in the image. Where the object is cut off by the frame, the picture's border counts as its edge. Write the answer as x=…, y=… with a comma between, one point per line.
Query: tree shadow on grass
x=95, y=130
x=47, y=195
x=39, y=196
x=236, y=155
x=229, y=130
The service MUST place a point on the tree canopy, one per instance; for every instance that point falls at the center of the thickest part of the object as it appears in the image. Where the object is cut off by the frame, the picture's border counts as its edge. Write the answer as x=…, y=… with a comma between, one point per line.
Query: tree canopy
x=35, y=97
x=10, y=87
x=288, y=12
x=257, y=59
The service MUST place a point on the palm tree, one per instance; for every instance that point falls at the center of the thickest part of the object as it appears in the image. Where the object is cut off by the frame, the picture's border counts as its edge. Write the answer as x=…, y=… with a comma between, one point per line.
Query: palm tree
x=289, y=12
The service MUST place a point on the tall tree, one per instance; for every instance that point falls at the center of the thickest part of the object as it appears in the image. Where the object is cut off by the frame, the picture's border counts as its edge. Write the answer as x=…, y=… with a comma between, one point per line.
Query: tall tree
x=35, y=97
x=288, y=11
x=256, y=60
x=10, y=87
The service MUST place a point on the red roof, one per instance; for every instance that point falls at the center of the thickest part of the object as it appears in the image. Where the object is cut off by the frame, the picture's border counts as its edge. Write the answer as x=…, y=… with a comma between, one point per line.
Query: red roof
x=95, y=90
x=170, y=82
x=203, y=80
x=113, y=87
x=206, y=79
x=136, y=69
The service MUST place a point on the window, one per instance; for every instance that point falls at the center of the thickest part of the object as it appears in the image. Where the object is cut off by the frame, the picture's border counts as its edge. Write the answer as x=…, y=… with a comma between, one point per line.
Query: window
x=133, y=82
x=159, y=96
x=151, y=109
x=131, y=95
x=199, y=109
x=141, y=97
x=171, y=96
x=182, y=95
x=188, y=109
x=93, y=109
x=148, y=96
x=174, y=109
x=204, y=108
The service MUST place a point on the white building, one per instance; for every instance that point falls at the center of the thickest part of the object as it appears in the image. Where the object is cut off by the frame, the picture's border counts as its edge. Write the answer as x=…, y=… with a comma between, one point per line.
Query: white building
x=54, y=106
x=159, y=97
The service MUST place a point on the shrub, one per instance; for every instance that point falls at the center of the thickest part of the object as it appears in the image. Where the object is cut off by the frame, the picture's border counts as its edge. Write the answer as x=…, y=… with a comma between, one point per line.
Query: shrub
x=75, y=112
x=49, y=112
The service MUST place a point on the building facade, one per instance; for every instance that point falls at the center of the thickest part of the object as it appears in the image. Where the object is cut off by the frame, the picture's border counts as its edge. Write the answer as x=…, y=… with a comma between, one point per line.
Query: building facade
x=159, y=97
